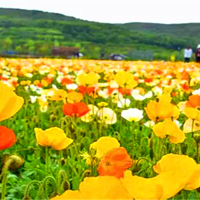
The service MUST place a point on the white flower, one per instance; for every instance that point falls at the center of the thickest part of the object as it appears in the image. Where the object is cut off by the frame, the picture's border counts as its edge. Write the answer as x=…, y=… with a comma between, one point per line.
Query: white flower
x=33, y=87
x=149, y=124
x=103, y=93
x=113, y=84
x=54, y=87
x=43, y=69
x=116, y=96
x=132, y=114
x=103, y=84
x=107, y=116
x=196, y=92
x=33, y=99
x=148, y=95
x=59, y=78
x=91, y=114
x=137, y=96
x=123, y=103
x=66, y=70
x=157, y=90
x=72, y=86
x=43, y=108
x=29, y=75
x=178, y=123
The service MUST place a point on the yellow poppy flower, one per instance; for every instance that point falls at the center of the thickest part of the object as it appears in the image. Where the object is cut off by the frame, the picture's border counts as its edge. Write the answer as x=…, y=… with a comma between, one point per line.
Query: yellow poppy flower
x=102, y=104
x=171, y=162
x=194, y=181
x=159, y=110
x=53, y=137
x=125, y=80
x=58, y=95
x=166, y=97
x=74, y=96
x=10, y=103
x=182, y=165
x=100, y=187
x=165, y=185
x=162, y=186
x=104, y=144
x=142, y=188
x=175, y=112
x=88, y=79
x=192, y=113
x=103, y=187
x=170, y=128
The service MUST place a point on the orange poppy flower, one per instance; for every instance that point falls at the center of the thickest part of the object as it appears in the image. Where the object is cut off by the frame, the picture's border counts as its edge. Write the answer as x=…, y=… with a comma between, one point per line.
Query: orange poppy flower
x=194, y=101
x=7, y=138
x=77, y=109
x=86, y=90
x=66, y=81
x=186, y=87
x=114, y=163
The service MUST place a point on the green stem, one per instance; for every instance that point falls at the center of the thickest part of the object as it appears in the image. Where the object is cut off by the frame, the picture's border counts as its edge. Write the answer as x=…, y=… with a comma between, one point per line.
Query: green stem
x=60, y=159
x=29, y=186
x=192, y=128
x=47, y=160
x=4, y=175
x=197, y=152
x=143, y=158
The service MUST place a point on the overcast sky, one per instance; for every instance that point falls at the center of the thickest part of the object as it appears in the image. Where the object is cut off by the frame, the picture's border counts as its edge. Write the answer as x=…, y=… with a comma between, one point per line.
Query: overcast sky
x=117, y=11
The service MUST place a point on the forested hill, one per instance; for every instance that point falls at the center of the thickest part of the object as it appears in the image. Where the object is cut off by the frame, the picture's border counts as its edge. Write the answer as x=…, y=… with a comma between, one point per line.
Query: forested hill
x=33, y=14
x=191, y=30
x=36, y=32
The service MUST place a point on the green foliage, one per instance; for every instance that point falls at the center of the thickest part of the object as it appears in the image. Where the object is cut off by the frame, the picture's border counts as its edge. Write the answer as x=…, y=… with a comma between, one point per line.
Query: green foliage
x=36, y=32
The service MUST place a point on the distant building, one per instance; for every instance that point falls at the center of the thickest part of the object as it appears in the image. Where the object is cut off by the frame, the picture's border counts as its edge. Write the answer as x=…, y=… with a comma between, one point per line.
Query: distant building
x=117, y=57
x=65, y=51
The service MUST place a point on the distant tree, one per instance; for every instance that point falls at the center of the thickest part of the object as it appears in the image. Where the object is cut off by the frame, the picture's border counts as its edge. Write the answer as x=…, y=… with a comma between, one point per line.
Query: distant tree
x=56, y=43
x=7, y=44
x=19, y=49
x=44, y=50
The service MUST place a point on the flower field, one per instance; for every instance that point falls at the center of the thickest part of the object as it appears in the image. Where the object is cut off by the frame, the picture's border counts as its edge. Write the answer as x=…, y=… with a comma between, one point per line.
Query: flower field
x=91, y=129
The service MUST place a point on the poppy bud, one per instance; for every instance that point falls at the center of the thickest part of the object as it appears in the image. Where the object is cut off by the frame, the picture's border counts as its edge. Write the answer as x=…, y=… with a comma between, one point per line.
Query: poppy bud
x=27, y=198
x=150, y=143
x=66, y=185
x=16, y=161
x=53, y=117
x=63, y=162
x=196, y=137
x=87, y=173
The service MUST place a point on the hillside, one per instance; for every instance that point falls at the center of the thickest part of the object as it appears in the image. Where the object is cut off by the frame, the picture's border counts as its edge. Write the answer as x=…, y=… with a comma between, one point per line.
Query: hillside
x=33, y=14
x=191, y=30
x=36, y=32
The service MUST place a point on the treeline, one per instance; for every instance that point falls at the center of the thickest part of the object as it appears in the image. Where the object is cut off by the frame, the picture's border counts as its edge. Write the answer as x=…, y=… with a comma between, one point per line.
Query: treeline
x=38, y=33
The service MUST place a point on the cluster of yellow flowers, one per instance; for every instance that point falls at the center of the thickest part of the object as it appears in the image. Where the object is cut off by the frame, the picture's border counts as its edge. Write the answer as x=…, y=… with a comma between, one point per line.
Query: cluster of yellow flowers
x=108, y=94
